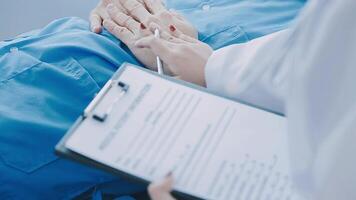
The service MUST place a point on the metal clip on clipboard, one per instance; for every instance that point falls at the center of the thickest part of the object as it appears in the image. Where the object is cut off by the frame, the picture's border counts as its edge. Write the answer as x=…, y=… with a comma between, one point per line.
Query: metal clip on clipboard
x=101, y=116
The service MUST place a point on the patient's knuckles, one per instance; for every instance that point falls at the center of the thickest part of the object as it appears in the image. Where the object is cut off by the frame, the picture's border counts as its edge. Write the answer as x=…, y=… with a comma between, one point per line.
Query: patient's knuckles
x=157, y=2
x=110, y=27
x=152, y=19
x=124, y=2
x=107, y=2
x=134, y=3
x=115, y=30
x=143, y=33
x=121, y=31
x=120, y=17
x=132, y=25
x=164, y=15
x=118, y=32
x=138, y=36
x=116, y=17
x=131, y=5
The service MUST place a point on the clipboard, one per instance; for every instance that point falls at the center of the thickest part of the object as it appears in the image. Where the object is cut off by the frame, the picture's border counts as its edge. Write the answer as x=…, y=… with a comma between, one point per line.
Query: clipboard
x=64, y=152
x=90, y=114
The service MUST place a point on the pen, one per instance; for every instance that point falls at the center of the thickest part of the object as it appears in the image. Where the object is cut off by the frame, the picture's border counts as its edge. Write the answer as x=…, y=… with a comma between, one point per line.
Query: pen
x=98, y=98
x=158, y=59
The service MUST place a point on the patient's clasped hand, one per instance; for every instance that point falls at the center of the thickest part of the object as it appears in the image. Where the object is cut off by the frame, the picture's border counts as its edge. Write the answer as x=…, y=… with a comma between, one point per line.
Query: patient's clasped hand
x=129, y=21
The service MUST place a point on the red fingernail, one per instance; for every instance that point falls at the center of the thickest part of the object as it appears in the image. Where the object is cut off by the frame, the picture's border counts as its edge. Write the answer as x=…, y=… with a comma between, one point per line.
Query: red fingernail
x=143, y=26
x=172, y=28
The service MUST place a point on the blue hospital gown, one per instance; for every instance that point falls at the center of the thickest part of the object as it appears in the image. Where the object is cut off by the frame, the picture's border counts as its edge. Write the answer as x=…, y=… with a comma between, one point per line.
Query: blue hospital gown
x=47, y=77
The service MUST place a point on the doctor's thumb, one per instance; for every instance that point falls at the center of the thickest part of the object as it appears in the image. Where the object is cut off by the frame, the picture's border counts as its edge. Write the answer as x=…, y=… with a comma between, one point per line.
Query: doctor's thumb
x=161, y=190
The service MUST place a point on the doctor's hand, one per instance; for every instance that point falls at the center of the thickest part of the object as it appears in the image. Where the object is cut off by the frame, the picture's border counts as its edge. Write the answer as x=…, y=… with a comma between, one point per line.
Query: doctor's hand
x=161, y=190
x=185, y=56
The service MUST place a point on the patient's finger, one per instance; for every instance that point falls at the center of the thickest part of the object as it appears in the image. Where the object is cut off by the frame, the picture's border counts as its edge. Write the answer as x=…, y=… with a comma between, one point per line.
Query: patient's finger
x=122, y=19
x=95, y=22
x=155, y=6
x=120, y=32
x=117, y=3
x=136, y=9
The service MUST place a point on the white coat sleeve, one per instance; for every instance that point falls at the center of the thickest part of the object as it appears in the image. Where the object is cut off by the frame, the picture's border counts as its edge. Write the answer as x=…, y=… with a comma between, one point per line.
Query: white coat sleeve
x=251, y=72
x=321, y=101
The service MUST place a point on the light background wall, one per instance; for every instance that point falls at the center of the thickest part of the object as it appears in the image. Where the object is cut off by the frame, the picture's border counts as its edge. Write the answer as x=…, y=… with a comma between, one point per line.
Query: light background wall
x=19, y=16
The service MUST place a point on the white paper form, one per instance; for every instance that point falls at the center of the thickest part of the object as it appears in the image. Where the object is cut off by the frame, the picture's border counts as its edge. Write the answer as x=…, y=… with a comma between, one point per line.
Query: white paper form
x=216, y=148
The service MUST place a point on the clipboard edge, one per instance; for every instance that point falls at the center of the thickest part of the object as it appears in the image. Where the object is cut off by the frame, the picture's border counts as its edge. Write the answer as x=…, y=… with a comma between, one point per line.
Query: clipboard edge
x=63, y=152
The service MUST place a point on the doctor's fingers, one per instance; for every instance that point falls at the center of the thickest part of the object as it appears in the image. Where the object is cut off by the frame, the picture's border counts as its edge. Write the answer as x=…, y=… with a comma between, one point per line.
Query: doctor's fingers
x=122, y=33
